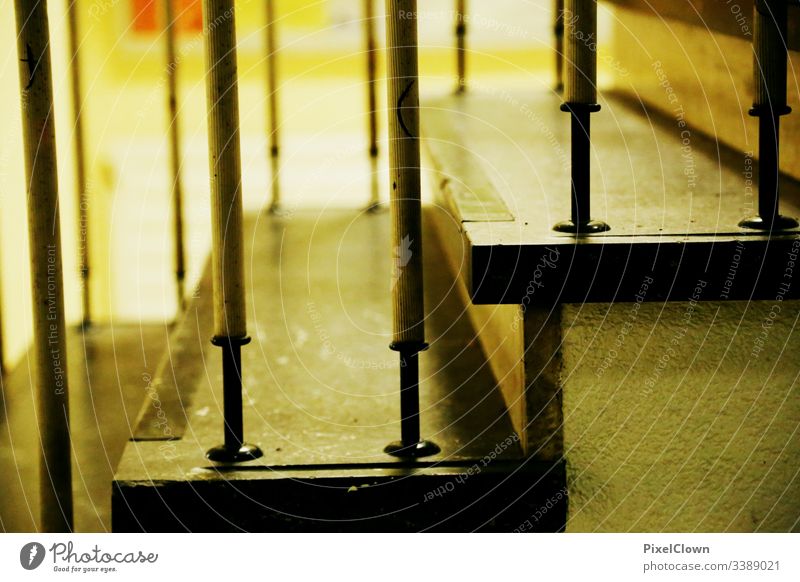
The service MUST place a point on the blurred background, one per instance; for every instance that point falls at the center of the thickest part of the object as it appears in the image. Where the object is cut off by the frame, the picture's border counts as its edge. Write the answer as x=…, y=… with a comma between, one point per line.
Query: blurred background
x=322, y=69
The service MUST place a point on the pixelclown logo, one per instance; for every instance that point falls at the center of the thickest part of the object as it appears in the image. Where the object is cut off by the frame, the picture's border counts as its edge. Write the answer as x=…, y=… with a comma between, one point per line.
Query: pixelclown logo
x=31, y=555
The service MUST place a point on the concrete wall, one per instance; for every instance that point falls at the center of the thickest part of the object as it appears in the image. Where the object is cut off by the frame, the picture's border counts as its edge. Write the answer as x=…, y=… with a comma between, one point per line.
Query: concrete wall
x=675, y=421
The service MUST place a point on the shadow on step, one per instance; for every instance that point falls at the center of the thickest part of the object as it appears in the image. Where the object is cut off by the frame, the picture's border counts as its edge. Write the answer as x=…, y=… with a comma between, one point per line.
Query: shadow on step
x=322, y=401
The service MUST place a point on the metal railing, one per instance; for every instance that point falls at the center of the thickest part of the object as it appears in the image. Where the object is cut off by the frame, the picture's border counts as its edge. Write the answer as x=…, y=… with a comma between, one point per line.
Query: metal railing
x=577, y=22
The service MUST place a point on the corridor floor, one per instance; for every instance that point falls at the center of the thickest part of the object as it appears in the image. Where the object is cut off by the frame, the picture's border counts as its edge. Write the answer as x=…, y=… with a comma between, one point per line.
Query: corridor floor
x=110, y=367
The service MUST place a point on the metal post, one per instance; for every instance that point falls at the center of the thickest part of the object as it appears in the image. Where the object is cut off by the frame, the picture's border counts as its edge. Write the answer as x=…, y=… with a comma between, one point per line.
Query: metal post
x=372, y=101
x=80, y=159
x=179, y=258
x=461, y=44
x=227, y=250
x=580, y=101
x=49, y=328
x=272, y=105
x=769, y=104
x=558, y=31
x=406, y=210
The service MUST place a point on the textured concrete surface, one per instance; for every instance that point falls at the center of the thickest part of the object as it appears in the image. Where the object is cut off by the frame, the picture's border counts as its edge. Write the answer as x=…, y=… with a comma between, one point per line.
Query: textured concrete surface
x=714, y=444
x=673, y=423
x=320, y=382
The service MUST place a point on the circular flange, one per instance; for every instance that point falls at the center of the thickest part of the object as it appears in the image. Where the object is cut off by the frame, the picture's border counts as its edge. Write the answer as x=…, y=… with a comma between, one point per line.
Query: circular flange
x=223, y=454
x=759, y=110
x=221, y=340
x=408, y=347
x=415, y=451
x=580, y=107
x=278, y=210
x=376, y=208
x=780, y=223
x=591, y=227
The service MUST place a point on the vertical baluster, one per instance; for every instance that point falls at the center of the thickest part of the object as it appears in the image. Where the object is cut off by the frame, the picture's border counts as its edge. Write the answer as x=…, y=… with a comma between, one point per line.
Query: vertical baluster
x=461, y=46
x=227, y=251
x=406, y=210
x=73, y=27
x=272, y=105
x=558, y=31
x=580, y=101
x=769, y=104
x=179, y=258
x=49, y=329
x=372, y=101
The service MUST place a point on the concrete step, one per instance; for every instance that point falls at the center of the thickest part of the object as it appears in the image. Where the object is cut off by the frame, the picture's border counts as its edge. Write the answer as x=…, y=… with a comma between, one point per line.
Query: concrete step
x=322, y=400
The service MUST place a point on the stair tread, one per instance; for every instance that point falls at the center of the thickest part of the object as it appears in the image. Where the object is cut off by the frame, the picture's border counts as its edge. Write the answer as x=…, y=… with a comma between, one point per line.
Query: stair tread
x=322, y=394
x=673, y=208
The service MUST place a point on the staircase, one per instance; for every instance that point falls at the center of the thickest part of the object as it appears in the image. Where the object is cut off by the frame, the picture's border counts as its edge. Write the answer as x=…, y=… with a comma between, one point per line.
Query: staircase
x=321, y=400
